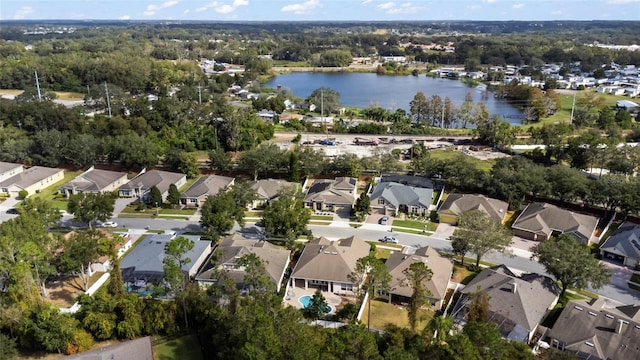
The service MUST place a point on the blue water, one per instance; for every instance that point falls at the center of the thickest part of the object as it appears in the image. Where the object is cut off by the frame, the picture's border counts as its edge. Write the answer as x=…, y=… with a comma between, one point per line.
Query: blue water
x=305, y=300
x=391, y=92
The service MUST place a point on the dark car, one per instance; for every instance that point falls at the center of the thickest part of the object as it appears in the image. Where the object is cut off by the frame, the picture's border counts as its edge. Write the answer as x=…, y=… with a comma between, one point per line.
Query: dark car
x=12, y=211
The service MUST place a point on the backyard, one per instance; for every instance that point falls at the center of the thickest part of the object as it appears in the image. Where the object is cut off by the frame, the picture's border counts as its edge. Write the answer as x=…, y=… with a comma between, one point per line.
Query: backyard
x=383, y=313
x=184, y=348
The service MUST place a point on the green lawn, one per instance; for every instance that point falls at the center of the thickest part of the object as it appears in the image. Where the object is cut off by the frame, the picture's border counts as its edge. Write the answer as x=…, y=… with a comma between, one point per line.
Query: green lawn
x=185, y=212
x=449, y=154
x=187, y=184
x=416, y=224
x=319, y=222
x=49, y=192
x=462, y=274
x=253, y=214
x=183, y=348
x=321, y=217
x=393, y=246
x=383, y=313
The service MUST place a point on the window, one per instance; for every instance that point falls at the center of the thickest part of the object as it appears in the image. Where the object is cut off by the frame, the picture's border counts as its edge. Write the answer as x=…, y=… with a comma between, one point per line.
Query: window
x=380, y=201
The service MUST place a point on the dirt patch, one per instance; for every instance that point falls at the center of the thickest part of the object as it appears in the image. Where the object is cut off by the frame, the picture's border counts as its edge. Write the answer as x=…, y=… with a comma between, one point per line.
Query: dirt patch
x=63, y=291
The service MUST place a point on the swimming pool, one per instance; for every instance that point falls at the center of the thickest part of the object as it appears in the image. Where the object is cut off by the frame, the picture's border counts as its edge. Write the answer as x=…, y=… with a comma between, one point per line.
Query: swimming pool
x=305, y=300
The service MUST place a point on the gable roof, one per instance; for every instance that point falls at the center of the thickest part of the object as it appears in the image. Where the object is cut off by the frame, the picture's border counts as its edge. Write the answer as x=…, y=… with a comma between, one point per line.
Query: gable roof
x=325, y=190
x=624, y=241
x=270, y=188
x=207, y=185
x=30, y=176
x=148, y=179
x=322, y=259
x=459, y=204
x=440, y=266
x=398, y=194
x=139, y=349
x=521, y=300
x=145, y=260
x=409, y=180
x=5, y=166
x=591, y=330
x=545, y=218
x=94, y=180
x=275, y=259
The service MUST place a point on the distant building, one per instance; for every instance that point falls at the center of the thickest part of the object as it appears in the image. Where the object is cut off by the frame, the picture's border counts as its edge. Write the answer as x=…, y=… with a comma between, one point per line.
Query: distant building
x=94, y=181
x=140, y=186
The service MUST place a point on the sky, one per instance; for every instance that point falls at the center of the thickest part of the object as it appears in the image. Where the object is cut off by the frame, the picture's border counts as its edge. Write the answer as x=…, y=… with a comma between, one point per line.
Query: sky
x=320, y=10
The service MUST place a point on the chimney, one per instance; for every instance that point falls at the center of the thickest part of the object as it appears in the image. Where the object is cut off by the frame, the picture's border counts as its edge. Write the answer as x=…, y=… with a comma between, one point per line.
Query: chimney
x=514, y=287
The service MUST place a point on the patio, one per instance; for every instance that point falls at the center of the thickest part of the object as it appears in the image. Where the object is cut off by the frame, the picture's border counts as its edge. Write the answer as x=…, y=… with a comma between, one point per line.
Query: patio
x=335, y=301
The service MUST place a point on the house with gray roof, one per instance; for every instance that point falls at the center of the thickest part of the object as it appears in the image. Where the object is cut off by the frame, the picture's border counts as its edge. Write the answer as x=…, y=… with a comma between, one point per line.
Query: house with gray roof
x=140, y=186
x=457, y=204
x=205, y=186
x=409, y=180
x=139, y=349
x=390, y=198
x=589, y=330
x=33, y=180
x=331, y=195
x=268, y=190
x=143, y=264
x=223, y=262
x=623, y=245
x=326, y=264
x=7, y=170
x=518, y=304
x=94, y=181
x=539, y=221
x=441, y=267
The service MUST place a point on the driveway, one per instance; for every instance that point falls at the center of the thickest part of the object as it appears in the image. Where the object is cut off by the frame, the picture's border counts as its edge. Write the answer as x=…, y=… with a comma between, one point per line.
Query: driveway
x=120, y=204
x=444, y=231
x=8, y=203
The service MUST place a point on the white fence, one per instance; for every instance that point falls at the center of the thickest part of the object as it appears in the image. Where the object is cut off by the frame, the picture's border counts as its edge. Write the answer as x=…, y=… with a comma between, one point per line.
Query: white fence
x=90, y=291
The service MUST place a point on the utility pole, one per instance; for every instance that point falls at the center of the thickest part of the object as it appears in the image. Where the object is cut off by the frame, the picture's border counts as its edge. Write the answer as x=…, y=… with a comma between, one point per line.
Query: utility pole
x=38, y=86
x=106, y=89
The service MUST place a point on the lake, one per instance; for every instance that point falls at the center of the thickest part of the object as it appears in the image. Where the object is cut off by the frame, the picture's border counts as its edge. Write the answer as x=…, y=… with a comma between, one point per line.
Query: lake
x=391, y=92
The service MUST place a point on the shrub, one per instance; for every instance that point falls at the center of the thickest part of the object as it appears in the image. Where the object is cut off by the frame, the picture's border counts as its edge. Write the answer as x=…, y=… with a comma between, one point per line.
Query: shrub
x=23, y=193
x=141, y=206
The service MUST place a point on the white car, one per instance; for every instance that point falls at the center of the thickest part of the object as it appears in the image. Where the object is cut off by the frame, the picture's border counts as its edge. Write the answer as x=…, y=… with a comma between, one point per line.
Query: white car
x=389, y=239
x=109, y=224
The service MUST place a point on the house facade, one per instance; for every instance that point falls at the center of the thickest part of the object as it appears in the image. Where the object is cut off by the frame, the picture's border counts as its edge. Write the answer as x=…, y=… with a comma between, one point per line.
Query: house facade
x=33, y=180
x=517, y=304
x=457, y=204
x=441, y=267
x=390, y=198
x=623, y=245
x=94, y=181
x=331, y=195
x=539, y=221
x=8, y=170
x=205, y=186
x=140, y=186
x=326, y=265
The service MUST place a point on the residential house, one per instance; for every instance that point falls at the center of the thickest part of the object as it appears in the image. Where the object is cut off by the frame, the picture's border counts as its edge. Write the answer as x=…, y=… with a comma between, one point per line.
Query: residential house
x=518, y=304
x=326, y=264
x=139, y=349
x=591, y=331
x=94, y=181
x=457, y=204
x=389, y=198
x=103, y=264
x=205, y=186
x=144, y=263
x=33, y=180
x=438, y=284
x=539, y=221
x=331, y=195
x=231, y=249
x=7, y=170
x=268, y=190
x=140, y=186
x=623, y=245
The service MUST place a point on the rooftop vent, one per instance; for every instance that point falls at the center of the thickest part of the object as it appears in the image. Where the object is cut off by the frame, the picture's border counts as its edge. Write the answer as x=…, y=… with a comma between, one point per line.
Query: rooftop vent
x=589, y=343
x=609, y=316
x=578, y=308
x=592, y=313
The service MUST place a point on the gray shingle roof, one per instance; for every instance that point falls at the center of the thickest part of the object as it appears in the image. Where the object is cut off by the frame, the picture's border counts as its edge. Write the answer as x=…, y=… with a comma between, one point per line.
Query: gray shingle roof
x=94, y=180
x=5, y=166
x=322, y=259
x=29, y=177
x=459, y=204
x=268, y=189
x=417, y=181
x=594, y=331
x=440, y=266
x=398, y=194
x=207, y=185
x=526, y=306
x=545, y=218
x=624, y=241
x=160, y=179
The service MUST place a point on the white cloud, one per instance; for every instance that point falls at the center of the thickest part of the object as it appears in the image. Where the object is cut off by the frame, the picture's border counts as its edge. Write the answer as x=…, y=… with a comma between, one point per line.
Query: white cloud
x=153, y=8
x=222, y=8
x=622, y=1
x=124, y=17
x=404, y=8
x=302, y=8
x=365, y=2
x=186, y=11
x=518, y=6
x=474, y=7
x=490, y=1
x=386, y=6
x=23, y=12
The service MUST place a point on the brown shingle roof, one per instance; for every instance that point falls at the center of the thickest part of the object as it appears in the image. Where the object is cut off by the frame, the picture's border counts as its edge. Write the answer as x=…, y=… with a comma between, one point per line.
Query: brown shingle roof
x=440, y=266
x=326, y=191
x=160, y=179
x=545, y=218
x=458, y=204
x=94, y=180
x=269, y=188
x=207, y=185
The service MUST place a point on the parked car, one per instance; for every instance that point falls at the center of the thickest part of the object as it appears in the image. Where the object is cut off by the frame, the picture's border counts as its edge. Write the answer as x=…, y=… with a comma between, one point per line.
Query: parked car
x=12, y=211
x=109, y=224
x=384, y=220
x=389, y=239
